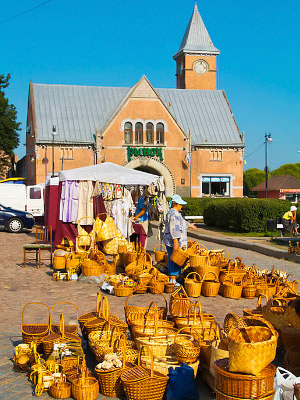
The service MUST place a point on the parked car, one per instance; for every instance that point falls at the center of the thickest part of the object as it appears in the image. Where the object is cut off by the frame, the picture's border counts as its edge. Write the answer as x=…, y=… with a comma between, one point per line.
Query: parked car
x=15, y=220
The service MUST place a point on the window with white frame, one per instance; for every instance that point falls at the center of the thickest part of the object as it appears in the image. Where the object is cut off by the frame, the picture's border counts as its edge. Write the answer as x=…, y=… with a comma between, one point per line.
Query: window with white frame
x=149, y=133
x=215, y=186
x=128, y=133
x=139, y=133
x=160, y=133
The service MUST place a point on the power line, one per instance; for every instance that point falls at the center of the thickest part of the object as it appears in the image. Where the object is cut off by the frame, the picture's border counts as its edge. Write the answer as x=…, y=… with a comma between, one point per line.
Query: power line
x=254, y=151
x=25, y=12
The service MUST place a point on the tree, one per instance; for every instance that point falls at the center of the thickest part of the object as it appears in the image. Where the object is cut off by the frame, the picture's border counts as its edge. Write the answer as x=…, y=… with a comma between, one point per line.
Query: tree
x=252, y=177
x=9, y=127
x=288, y=169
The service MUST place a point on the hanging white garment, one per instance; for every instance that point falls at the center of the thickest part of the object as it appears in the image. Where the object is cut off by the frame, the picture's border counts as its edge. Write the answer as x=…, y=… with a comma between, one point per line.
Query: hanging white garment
x=120, y=214
x=85, y=202
x=68, y=208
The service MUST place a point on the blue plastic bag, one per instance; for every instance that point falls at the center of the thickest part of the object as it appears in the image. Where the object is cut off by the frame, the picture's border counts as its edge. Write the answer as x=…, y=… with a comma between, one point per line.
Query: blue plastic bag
x=181, y=384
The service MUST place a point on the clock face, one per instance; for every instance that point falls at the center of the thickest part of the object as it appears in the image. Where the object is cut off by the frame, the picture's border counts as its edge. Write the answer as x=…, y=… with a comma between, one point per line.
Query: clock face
x=200, y=66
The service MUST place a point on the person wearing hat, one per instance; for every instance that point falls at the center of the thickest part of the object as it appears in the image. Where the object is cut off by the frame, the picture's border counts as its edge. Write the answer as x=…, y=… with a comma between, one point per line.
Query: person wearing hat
x=289, y=221
x=175, y=234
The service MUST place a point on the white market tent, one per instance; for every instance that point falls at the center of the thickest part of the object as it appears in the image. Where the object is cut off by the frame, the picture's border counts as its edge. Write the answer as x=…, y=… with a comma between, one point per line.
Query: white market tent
x=108, y=173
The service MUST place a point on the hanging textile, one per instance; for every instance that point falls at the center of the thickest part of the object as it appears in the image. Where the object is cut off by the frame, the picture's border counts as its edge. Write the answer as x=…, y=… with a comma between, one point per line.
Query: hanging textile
x=68, y=209
x=85, y=202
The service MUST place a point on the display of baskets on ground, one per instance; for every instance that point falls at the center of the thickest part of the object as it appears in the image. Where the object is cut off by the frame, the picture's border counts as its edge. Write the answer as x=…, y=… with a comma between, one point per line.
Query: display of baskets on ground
x=193, y=285
x=156, y=286
x=91, y=315
x=252, y=345
x=235, y=269
x=73, y=260
x=169, y=287
x=91, y=267
x=60, y=389
x=124, y=289
x=35, y=332
x=143, y=384
x=243, y=385
x=249, y=287
x=160, y=345
x=211, y=287
x=265, y=287
x=85, y=388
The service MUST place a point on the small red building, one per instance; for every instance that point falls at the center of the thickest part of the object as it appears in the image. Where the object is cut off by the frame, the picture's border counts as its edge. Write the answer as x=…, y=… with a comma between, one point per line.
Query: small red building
x=284, y=187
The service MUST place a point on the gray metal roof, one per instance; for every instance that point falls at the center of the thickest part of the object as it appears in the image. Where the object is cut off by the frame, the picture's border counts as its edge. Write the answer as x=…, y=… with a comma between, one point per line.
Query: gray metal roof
x=196, y=38
x=205, y=113
x=77, y=111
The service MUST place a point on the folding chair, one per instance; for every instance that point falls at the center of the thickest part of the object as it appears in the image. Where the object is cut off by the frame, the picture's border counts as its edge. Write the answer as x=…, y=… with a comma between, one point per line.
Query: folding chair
x=43, y=241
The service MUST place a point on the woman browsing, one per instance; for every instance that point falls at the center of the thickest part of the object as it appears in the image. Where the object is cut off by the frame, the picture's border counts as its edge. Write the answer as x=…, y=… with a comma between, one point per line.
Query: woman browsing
x=175, y=234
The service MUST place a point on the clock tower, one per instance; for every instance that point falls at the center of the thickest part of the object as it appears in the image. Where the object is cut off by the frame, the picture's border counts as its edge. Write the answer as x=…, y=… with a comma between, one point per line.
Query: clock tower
x=196, y=59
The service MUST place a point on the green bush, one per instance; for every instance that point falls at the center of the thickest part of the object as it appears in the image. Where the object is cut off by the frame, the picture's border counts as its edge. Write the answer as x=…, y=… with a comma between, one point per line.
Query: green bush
x=244, y=215
x=195, y=206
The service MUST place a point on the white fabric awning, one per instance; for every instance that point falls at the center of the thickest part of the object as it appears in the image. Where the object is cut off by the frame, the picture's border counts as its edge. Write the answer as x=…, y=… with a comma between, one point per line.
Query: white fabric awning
x=110, y=173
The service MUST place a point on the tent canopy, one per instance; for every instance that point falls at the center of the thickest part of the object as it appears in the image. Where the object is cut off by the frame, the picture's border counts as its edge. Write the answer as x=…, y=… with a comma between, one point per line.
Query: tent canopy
x=109, y=173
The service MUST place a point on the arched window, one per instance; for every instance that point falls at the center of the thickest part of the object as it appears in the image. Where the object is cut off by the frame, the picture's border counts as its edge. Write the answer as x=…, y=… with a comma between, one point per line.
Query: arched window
x=128, y=133
x=149, y=133
x=139, y=133
x=160, y=133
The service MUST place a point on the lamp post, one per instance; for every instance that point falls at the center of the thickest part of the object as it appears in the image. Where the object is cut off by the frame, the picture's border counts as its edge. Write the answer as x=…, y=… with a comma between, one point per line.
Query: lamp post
x=268, y=139
x=54, y=133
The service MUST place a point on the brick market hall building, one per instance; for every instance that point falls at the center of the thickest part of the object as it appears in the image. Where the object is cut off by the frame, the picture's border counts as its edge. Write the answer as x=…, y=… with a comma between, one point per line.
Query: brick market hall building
x=188, y=134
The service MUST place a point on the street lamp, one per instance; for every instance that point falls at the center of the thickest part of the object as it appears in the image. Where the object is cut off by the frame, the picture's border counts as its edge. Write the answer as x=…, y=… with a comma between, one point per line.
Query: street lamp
x=268, y=139
x=54, y=133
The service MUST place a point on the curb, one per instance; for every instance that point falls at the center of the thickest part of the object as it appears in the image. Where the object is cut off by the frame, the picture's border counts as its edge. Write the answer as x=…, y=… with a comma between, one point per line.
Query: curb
x=242, y=244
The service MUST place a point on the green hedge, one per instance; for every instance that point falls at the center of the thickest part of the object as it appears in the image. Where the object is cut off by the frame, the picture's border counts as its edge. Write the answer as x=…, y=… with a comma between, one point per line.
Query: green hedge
x=237, y=214
x=244, y=215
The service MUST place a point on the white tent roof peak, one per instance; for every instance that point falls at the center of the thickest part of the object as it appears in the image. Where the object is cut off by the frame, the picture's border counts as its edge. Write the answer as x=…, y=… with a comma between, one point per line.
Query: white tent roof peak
x=108, y=173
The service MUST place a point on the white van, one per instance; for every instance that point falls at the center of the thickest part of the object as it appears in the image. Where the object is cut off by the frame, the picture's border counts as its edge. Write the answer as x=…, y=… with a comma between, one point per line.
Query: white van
x=22, y=197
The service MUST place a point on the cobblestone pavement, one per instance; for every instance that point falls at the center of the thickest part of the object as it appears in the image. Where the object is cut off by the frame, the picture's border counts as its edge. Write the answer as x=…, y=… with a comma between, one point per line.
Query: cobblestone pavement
x=23, y=285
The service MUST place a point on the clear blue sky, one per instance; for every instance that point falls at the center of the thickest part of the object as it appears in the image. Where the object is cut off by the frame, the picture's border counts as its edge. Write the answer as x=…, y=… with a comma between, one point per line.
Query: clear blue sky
x=114, y=43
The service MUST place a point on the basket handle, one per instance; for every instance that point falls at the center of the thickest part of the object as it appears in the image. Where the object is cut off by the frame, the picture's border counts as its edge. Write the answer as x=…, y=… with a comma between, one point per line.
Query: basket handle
x=151, y=358
x=267, y=323
x=105, y=309
x=160, y=244
x=65, y=253
x=44, y=305
x=194, y=273
x=120, y=344
x=258, y=305
x=165, y=299
x=62, y=325
x=185, y=328
x=211, y=272
x=63, y=302
x=194, y=307
x=150, y=258
x=98, y=302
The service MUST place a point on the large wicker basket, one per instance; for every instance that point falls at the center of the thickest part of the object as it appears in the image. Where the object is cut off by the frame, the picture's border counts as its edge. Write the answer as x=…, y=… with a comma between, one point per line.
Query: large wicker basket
x=243, y=385
x=143, y=384
x=35, y=332
x=179, y=257
x=210, y=288
x=133, y=313
x=179, y=303
x=193, y=285
x=160, y=254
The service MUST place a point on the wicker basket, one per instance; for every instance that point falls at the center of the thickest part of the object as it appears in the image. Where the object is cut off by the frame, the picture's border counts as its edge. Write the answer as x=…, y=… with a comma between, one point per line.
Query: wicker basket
x=223, y=396
x=162, y=364
x=143, y=384
x=242, y=385
x=156, y=286
x=122, y=290
x=157, y=328
x=274, y=312
x=263, y=287
x=169, y=287
x=186, y=348
x=290, y=336
x=91, y=315
x=258, y=311
x=210, y=288
x=91, y=268
x=160, y=345
x=179, y=303
x=60, y=390
x=73, y=260
x=193, y=285
x=133, y=313
x=252, y=347
x=110, y=381
x=292, y=316
x=35, y=332
x=85, y=388
x=179, y=257
x=160, y=255
x=231, y=288
x=59, y=259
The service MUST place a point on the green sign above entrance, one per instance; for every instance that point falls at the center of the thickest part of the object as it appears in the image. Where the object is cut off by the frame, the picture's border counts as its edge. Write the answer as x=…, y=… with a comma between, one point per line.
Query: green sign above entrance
x=144, y=151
